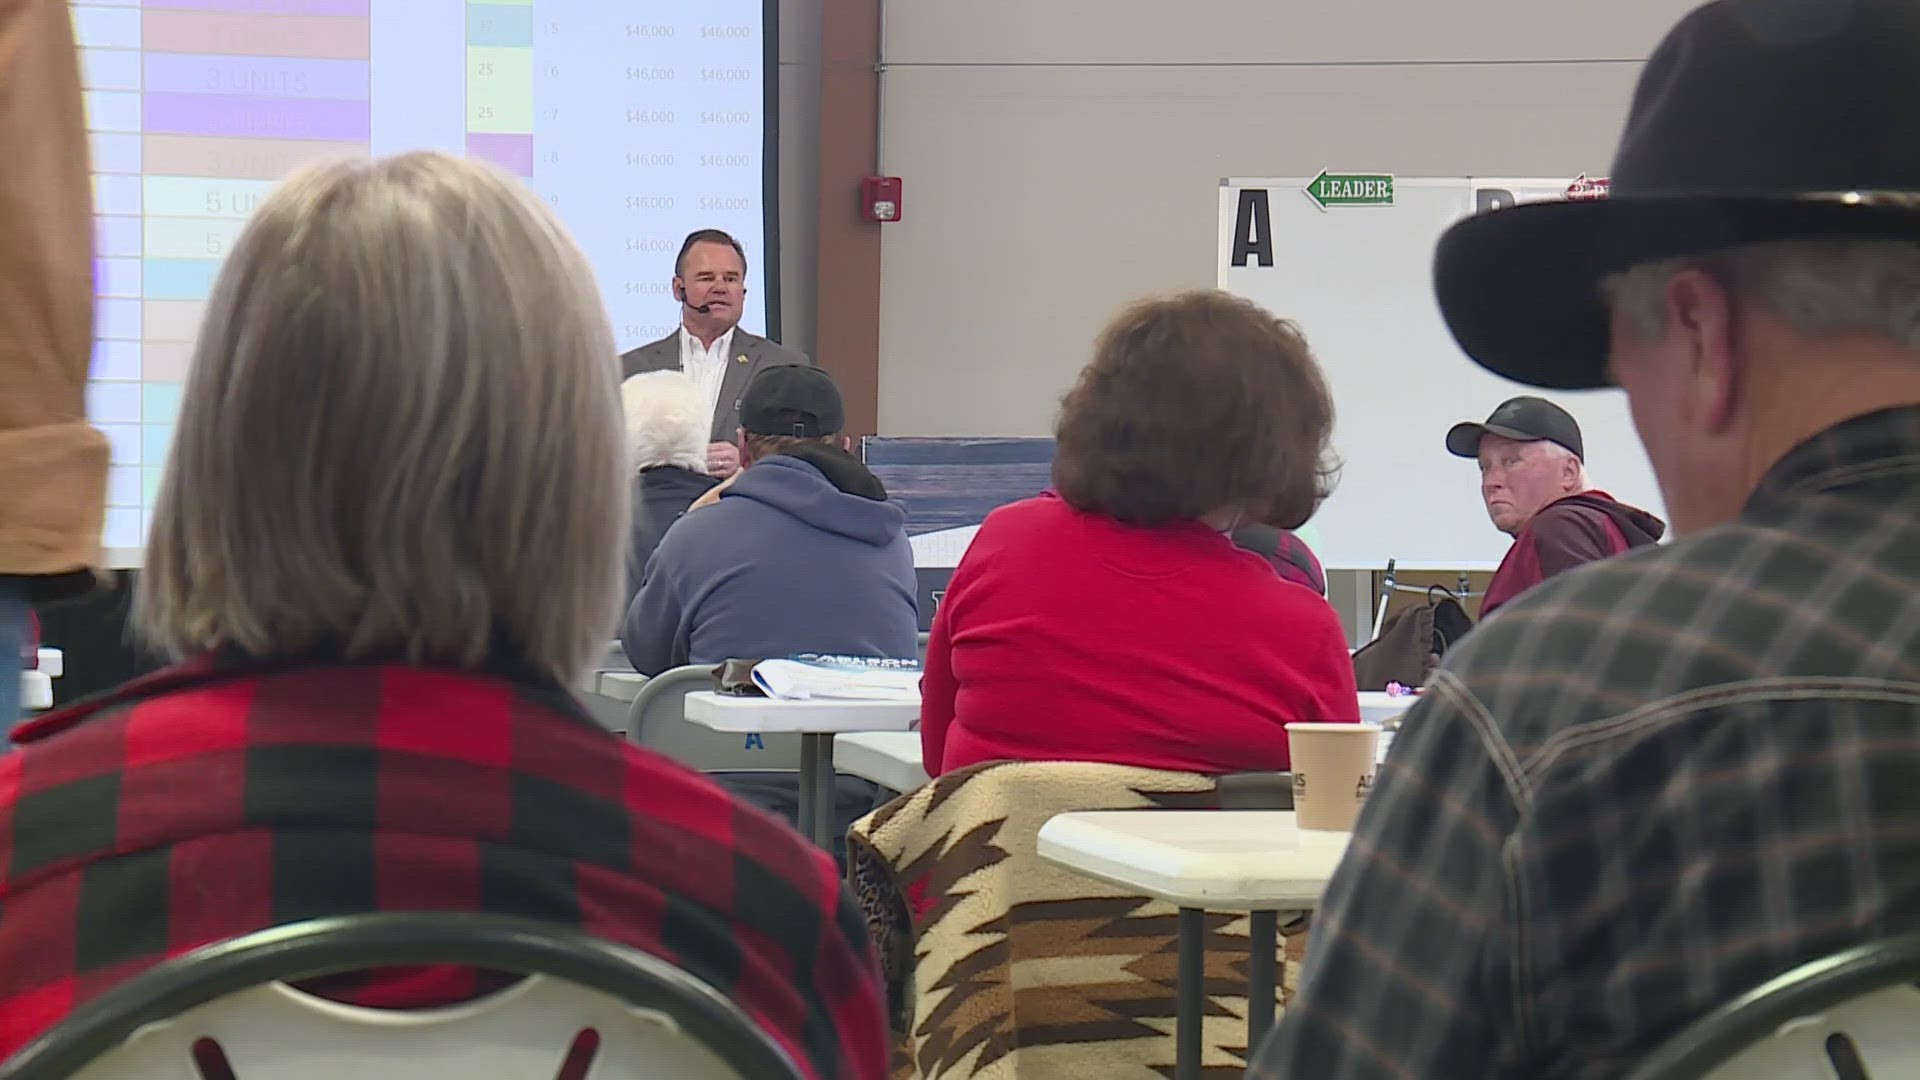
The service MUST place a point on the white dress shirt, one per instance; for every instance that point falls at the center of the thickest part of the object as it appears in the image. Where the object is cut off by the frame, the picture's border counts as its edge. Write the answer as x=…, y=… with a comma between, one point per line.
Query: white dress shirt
x=707, y=366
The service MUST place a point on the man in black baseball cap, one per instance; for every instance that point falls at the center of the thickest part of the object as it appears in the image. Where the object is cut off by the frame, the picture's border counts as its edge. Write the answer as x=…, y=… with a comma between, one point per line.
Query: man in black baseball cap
x=1659, y=782
x=1533, y=478
x=800, y=551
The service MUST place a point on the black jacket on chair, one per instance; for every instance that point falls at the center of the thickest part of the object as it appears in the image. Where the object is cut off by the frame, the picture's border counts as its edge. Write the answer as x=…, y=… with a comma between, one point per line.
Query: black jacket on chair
x=660, y=495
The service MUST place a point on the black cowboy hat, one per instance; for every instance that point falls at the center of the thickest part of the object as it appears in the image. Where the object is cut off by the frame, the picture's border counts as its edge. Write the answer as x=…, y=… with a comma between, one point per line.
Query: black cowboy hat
x=1754, y=121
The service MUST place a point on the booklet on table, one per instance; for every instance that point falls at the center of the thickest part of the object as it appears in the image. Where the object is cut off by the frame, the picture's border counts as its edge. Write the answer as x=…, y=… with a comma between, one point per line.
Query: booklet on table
x=844, y=678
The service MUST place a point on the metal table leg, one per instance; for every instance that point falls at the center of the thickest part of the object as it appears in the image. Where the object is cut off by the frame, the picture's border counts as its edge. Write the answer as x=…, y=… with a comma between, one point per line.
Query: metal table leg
x=1189, y=1004
x=810, y=748
x=1262, y=937
x=820, y=825
x=823, y=794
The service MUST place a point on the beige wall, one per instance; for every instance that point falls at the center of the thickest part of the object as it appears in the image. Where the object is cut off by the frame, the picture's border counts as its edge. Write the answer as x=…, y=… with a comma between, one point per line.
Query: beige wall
x=799, y=166
x=1061, y=157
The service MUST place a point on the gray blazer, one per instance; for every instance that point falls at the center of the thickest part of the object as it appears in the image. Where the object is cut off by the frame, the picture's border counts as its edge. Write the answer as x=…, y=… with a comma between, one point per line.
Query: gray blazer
x=750, y=355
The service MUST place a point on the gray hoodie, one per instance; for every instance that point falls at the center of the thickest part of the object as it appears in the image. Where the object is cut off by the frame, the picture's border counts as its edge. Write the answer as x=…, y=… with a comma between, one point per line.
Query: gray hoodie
x=804, y=553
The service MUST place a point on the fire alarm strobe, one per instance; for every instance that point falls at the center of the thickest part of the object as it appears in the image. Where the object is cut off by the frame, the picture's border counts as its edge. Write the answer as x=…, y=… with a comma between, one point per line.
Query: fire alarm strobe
x=880, y=198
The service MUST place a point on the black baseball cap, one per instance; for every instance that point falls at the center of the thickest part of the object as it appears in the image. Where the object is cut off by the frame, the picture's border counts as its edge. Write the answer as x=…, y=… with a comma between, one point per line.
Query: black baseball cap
x=1524, y=419
x=796, y=400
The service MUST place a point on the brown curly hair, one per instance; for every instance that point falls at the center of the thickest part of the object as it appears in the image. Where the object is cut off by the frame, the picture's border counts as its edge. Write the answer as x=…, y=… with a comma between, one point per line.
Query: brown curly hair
x=1193, y=404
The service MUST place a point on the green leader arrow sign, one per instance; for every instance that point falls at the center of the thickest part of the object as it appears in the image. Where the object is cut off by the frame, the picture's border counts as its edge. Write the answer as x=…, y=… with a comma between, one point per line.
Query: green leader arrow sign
x=1351, y=189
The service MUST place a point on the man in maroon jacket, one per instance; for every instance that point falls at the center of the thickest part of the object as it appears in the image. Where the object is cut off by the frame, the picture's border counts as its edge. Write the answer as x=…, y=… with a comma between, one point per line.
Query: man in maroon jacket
x=1533, y=476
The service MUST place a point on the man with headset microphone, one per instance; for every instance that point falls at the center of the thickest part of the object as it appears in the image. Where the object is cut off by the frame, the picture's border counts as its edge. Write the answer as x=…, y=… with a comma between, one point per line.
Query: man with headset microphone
x=710, y=281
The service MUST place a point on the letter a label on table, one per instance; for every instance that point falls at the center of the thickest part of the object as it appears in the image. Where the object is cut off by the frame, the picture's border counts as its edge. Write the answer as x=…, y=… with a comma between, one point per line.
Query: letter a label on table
x=1330, y=189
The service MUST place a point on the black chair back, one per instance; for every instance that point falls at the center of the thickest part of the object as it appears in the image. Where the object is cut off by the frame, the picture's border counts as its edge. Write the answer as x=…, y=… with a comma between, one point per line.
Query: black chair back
x=1809, y=990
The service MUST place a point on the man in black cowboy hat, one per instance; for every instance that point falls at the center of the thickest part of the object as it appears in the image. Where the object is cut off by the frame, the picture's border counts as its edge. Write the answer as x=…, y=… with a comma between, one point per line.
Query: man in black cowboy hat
x=1658, y=781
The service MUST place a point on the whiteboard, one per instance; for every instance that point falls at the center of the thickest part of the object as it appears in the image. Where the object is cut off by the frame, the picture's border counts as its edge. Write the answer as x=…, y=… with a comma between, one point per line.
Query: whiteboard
x=1358, y=280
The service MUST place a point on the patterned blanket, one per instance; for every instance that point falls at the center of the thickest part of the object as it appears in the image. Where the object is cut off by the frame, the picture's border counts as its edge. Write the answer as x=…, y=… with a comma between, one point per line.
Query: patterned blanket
x=1004, y=967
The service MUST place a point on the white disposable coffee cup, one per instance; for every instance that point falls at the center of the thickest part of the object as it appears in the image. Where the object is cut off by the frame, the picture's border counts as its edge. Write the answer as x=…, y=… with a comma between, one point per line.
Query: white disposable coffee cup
x=1332, y=772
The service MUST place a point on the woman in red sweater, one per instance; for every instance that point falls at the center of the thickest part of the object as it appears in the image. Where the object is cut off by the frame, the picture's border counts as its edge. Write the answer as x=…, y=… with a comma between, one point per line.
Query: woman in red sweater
x=1114, y=619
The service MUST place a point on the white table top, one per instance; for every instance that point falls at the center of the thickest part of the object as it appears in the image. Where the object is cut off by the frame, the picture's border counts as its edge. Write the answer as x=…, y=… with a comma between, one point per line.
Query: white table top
x=36, y=690
x=52, y=662
x=620, y=685
x=820, y=716
x=1219, y=860
x=1377, y=706
x=893, y=759
x=888, y=758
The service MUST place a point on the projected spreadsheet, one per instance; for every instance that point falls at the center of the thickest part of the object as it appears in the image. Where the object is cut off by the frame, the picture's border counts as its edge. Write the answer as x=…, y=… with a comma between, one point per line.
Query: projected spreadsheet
x=637, y=122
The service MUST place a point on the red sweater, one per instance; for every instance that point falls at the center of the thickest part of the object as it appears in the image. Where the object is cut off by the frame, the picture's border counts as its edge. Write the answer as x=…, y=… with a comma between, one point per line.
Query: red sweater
x=1068, y=636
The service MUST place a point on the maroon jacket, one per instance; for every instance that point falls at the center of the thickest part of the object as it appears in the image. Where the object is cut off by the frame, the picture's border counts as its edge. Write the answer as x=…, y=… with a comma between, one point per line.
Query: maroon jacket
x=1578, y=529
x=222, y=797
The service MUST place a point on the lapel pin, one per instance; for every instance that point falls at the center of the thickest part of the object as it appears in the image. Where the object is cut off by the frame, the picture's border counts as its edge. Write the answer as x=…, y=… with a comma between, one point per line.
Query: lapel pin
x=741, y=359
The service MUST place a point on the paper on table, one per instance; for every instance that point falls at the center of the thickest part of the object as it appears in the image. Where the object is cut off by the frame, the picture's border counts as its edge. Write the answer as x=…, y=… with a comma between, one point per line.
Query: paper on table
x=942, y=549
x=843, y=678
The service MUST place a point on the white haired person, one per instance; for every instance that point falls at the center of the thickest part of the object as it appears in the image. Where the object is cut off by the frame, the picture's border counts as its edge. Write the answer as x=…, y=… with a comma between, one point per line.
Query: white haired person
x=1533, y=478
x=389, y=536
x=667, y=426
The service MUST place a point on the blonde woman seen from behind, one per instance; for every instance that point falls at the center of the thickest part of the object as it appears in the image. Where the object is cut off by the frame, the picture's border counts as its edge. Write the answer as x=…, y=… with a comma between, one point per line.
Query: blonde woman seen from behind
x=391, y=532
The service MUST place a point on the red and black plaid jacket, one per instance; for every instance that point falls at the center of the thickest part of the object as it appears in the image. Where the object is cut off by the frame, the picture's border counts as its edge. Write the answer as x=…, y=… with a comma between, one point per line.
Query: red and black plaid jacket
x=225, y=796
